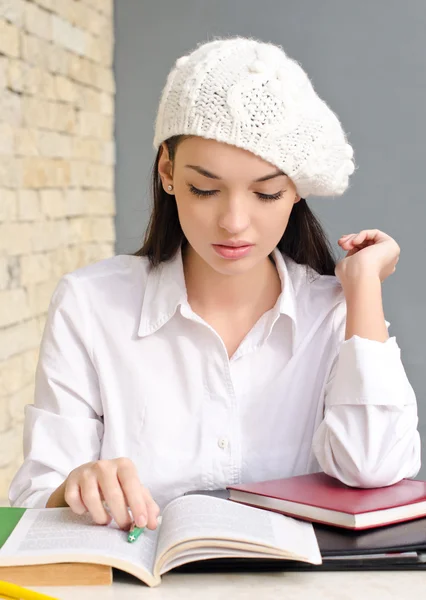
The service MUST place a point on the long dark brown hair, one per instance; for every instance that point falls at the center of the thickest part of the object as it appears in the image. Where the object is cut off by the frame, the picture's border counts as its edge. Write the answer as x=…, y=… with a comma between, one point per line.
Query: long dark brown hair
x=304, y=239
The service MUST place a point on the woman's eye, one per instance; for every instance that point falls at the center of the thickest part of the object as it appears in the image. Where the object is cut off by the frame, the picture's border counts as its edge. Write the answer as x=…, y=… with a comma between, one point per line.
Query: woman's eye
x=270, y=197
x=201, y=193
x=204, y=193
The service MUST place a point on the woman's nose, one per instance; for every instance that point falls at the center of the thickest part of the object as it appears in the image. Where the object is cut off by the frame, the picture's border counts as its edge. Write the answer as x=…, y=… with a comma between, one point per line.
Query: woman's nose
x=234, y=216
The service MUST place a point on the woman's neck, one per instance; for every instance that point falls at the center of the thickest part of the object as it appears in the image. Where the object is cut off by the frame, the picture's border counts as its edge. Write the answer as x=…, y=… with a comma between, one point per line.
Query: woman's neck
x=210, y=291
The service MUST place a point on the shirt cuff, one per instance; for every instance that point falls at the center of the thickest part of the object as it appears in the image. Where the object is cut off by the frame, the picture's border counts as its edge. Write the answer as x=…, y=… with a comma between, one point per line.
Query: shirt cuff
x=370, y=372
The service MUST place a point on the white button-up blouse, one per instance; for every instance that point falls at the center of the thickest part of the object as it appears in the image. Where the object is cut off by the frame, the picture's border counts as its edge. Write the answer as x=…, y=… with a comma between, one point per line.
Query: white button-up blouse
x=126, y=368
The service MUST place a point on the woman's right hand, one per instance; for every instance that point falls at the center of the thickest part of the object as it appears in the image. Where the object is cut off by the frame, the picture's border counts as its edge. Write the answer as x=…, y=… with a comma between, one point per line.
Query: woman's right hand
x=116, y=481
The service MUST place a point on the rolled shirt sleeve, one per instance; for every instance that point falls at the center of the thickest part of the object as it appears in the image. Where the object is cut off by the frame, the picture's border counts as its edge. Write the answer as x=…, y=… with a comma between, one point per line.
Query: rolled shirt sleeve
x=64, y=427
x=368, y=436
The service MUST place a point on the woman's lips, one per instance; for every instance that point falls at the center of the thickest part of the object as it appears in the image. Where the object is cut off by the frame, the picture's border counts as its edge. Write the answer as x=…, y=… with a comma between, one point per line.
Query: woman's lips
x=232, y=252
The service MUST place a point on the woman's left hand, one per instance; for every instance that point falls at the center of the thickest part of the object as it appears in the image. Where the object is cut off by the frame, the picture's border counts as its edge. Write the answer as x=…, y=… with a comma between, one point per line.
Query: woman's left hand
x=370, y=252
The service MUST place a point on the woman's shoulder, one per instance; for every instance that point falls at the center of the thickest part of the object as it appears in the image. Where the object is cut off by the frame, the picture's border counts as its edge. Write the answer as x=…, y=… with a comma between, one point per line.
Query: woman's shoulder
x=106, y=280
x=115, y=267
x=308, y=283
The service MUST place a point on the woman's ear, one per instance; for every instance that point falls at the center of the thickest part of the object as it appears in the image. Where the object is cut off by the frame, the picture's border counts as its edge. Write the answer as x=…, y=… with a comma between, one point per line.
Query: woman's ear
x=165, y=167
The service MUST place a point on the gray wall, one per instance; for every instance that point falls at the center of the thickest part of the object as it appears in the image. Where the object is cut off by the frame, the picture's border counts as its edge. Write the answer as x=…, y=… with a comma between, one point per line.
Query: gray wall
x=366, y=59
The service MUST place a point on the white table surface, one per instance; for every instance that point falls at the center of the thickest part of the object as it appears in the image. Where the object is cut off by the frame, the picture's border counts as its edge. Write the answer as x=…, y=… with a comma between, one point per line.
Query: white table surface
x=363, y=585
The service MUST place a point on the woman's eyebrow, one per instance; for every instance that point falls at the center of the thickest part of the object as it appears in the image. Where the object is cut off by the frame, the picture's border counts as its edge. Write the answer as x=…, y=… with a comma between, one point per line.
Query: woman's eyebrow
x=206, y=173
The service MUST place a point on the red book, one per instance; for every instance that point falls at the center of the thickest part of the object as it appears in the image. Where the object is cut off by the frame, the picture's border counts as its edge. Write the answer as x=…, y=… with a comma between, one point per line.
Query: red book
x=323, y=499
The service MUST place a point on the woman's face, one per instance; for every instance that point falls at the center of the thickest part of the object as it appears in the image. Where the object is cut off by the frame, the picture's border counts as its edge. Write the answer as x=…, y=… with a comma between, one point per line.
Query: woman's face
x=233, y=206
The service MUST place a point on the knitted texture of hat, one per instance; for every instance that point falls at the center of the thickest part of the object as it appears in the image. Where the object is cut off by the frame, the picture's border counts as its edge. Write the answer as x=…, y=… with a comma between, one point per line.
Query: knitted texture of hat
x=250, y=94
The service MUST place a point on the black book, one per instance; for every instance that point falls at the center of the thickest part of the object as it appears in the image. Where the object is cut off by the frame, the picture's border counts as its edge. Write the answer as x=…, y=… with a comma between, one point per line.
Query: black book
x=394, y=547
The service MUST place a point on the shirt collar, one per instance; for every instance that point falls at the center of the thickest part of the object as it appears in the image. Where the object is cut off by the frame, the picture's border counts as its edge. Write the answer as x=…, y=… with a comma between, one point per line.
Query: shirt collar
x=166, y=291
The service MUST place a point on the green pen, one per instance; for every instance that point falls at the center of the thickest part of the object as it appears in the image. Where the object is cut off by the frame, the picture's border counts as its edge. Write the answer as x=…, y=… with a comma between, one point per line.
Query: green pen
x=134, y=532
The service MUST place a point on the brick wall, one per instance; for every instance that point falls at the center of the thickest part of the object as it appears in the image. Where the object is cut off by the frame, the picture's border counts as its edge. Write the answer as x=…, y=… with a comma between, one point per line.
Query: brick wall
x=56, y=177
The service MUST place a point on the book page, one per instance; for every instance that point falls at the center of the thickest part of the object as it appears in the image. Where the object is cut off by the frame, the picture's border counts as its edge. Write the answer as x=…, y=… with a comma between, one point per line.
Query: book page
x=54, y=531
x=200, y=517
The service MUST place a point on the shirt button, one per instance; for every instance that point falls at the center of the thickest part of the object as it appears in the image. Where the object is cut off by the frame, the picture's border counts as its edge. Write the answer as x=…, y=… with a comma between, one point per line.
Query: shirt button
x=222, y=443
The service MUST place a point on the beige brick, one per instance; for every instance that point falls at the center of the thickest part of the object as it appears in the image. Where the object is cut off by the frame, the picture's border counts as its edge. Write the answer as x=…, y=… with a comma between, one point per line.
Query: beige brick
x=47, y=4
x=107, y=104
x=66, y=90
x=6, y=139
x=33, y=80
x=6, y=476
x=87, y=149
x=82, y=14
x=8, y=205
x=48, y=89
x=99, y=202
x=98, y=24
x=67, y=259
x=45, y=172
x=80, y=230
x=103, y=229
x=35, y=268
x=104, y=79
x=57, y=204
x=88, y=99
x=58, y=60
x=10, y=272
x=4, y=273
x=108, y=157
x=16, y=75
x=91, y=175
x=15, y=238
x=49, y=235
x=11, y=108
x=104, y=6
x=5, y=418
x=13, y=307
x=4, y=66
x=48, y=115
x=52, y=203
x=10, y=172
x=95, y=125
x=82, y=70
x=54, y=145
x=35, y=51
x=18, y=402
x=97, y=251
x=69, y=36
x=39, y=294
x=38, y=22
x=66, y=9
x=11, y=375
x=9, y=39
x=10, y=446
x=12, y=11
x=75, y=202
x=35, y=113
x=93, y=49
x=26, y=142
x=39, y=82
x=63, y=117
x=29, y=206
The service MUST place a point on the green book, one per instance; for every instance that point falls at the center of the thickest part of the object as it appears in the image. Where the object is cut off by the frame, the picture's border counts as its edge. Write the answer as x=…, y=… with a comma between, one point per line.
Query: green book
x=9, y=518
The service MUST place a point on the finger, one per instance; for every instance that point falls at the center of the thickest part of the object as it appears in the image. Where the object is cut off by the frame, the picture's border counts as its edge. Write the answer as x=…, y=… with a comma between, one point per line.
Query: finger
x=113, y=494
x=91, y=497
x=72, y=496
x=153, y=510
x=133, y=493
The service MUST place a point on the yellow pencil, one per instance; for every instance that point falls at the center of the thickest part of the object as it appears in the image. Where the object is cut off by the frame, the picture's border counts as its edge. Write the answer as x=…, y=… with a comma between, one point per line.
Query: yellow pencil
x=10, y=590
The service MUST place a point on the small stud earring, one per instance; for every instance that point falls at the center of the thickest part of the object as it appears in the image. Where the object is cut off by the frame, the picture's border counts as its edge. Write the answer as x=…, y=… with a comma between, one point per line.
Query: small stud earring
x=169, y=187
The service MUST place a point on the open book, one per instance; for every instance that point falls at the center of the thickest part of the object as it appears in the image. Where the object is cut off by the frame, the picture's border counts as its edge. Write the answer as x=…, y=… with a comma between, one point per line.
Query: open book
x=192, y=528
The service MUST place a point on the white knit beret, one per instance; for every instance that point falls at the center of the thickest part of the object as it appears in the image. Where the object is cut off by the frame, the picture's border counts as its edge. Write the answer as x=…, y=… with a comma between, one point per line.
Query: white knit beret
x=252, y=95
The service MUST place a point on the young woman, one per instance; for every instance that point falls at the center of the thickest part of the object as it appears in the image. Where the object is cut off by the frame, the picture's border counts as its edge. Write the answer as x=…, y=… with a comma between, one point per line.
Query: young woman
x=231, y=347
